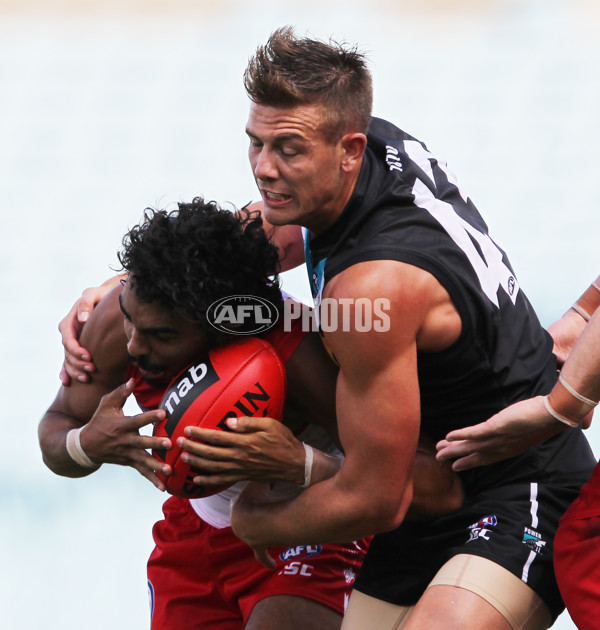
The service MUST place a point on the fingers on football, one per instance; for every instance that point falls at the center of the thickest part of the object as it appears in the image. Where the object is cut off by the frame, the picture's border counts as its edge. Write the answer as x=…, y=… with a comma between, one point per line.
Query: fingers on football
x=247, y=424
x=211, y=436
x=196, y=454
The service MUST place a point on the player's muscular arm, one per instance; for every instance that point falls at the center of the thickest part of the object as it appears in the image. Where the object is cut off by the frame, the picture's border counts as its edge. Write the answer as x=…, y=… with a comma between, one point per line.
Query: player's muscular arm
x=108, y=436
x=437, y=489
x=378, y=418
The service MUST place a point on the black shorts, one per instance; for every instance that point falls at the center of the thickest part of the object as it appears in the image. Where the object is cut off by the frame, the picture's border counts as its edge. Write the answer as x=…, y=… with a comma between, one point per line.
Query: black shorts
x=512, y=525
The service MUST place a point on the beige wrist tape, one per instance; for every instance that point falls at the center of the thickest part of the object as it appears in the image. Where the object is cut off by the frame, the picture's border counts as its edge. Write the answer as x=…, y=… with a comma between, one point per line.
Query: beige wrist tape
x=566, y=405
x=75, y=450
x=589, y=300
x=308, y=464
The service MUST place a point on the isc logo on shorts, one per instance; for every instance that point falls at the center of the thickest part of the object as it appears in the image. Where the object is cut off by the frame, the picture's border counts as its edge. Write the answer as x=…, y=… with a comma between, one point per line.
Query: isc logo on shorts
x=300, y=551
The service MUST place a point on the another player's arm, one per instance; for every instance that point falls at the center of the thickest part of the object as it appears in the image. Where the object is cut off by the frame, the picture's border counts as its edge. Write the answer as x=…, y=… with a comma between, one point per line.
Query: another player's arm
x=107, y=435
x=287, y=238
x=581, y=372
x=528, y=422
x=373, y=489
x=437, y=489
x=567, y=329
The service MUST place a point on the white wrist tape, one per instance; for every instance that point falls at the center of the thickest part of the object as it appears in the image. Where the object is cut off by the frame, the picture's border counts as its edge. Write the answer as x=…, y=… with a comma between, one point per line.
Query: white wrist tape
x=76, y=451
x=580, y=398
x=589, y=301
x=308, y=464
x=581, y=311
x=557, y=415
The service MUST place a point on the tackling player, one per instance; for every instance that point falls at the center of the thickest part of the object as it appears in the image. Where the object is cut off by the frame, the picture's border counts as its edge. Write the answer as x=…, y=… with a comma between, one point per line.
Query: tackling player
x=384, y=217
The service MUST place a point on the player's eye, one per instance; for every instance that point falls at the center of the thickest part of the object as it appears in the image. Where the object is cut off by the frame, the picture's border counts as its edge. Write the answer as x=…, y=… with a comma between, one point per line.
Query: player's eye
x=165, y=337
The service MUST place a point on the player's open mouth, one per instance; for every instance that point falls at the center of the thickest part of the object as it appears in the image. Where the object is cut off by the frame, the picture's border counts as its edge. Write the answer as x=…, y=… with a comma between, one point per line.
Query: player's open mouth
x=153, y=375
x=276, y=197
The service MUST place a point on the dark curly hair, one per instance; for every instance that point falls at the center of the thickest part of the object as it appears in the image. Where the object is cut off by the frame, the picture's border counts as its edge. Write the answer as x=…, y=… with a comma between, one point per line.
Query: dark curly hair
x=188, y=258
x=289, y=71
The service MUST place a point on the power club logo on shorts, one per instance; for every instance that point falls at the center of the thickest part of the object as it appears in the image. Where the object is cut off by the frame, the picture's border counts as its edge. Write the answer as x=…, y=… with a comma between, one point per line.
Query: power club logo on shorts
x=481, y=529
x=533, y=540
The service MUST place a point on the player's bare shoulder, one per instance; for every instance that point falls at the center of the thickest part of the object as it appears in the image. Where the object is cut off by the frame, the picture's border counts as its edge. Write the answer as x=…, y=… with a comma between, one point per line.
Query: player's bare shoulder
x=417, y=305
x=104, y=336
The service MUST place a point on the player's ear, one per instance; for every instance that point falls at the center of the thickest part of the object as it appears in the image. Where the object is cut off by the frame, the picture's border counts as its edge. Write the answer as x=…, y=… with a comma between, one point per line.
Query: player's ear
x=353, y=146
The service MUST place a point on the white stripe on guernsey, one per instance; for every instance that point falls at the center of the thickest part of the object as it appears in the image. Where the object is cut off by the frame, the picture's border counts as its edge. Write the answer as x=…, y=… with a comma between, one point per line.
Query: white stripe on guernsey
x=530, y=559
x=421, y=157
x=487, y=261
x=534, y=505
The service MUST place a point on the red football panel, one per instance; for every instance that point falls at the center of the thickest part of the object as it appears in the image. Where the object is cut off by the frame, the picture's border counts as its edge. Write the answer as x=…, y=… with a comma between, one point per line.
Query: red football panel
x=251, y=381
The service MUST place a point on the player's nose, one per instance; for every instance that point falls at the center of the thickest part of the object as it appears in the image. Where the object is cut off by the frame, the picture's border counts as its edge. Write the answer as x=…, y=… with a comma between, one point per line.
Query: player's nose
x=265, y=167
x=136, y=346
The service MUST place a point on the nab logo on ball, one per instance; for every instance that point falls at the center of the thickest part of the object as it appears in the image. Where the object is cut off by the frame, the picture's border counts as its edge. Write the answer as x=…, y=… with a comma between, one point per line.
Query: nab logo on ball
x=244, y=378
x=184, y=390
x=242, y=315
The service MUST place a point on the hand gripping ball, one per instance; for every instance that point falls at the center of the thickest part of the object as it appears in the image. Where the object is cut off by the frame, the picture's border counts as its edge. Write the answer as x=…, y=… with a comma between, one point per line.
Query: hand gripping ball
x=244, y=378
